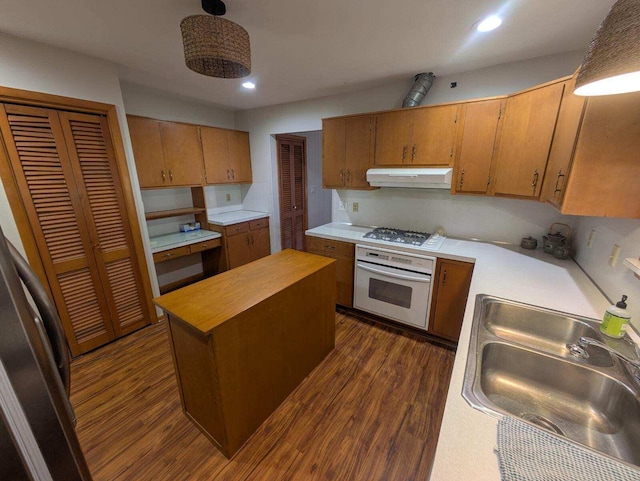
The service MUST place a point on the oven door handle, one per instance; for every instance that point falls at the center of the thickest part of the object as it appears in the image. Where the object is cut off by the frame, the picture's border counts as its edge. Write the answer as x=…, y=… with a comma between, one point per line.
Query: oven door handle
x=394, y=275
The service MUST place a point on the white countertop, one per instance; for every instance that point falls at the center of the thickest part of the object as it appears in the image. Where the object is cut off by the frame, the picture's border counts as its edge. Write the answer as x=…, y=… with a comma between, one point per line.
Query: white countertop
x=468, y=436
x=178, y=239
x=236, y=216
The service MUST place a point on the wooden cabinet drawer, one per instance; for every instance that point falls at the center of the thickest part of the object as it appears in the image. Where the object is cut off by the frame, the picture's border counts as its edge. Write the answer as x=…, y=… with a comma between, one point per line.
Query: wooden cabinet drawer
x=235, y=229
x=203, y=246
x=259, y=223
x=171, y=254
x=329, y=247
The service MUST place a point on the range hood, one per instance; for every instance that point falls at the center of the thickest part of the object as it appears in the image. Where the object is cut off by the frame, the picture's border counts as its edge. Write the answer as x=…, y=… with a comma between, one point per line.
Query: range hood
x=424, y=178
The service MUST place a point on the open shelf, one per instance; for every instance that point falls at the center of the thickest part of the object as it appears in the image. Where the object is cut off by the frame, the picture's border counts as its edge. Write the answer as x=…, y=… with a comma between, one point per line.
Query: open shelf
x=164, y=214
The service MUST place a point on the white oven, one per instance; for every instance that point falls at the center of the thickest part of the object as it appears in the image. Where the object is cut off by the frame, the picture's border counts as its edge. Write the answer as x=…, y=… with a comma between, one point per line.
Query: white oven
x=393, y=284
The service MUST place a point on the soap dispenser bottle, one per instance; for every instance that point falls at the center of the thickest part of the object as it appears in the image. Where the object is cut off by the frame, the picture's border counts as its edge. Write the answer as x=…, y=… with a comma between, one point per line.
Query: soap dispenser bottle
x=616, y=319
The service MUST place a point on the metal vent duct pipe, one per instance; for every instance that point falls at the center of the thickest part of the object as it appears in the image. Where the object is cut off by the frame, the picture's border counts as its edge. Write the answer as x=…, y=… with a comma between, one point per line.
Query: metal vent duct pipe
x=422, y=84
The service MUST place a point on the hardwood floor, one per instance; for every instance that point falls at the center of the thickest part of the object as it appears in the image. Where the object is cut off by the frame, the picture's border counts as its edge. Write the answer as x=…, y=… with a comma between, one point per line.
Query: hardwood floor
x=370, y=411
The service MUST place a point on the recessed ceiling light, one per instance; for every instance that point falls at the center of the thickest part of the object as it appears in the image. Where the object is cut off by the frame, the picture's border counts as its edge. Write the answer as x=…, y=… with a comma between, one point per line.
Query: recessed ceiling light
x=249, y=85
x=489, y=23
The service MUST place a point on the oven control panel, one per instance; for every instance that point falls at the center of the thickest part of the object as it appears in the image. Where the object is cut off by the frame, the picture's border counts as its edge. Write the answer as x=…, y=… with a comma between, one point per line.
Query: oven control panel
x=391, y=258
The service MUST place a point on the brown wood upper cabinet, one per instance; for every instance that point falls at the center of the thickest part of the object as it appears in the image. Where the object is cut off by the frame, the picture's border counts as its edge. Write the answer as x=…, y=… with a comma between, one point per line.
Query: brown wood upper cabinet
x=474, y=152
x=450, y=292
x=594, y=159
x=347, y=151
x=227, y=156
x=421, y=136
x=525, y=140
x=167, y=154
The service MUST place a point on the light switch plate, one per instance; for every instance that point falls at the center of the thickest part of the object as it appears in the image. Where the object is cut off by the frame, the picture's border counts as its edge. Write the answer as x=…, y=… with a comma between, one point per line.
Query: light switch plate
x=615, y=254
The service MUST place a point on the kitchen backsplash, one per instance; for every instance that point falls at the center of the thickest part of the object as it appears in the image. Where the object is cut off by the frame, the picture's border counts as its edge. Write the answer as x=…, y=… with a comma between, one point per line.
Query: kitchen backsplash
x=477, y=217
x=613, y=281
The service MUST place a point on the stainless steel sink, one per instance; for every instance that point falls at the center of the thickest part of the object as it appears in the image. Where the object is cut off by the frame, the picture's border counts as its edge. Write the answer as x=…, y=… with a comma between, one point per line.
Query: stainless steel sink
x=519, y=364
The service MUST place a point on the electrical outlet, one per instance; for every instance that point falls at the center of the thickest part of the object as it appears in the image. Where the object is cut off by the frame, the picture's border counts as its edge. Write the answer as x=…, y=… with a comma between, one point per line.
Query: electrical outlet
x=228, y=197
x=355, y=207
x=341, y=206
x=591, y=236
x=615, y=254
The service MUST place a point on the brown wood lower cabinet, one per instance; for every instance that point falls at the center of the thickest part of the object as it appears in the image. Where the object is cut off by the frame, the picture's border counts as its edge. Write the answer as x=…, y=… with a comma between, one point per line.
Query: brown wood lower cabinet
x=243, y=242
x=343, y=253
x=450, y=291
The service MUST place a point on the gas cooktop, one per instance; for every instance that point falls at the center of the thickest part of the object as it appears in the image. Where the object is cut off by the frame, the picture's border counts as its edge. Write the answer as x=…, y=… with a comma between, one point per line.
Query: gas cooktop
x=398, y=236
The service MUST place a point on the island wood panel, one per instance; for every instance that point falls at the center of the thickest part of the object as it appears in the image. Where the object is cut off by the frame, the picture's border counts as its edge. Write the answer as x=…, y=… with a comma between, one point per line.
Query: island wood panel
x=240, y=353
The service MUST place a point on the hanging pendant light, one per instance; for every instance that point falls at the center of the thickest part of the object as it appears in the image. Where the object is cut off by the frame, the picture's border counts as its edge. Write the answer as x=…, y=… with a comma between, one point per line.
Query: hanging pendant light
x=215, y=46
x=612, y=63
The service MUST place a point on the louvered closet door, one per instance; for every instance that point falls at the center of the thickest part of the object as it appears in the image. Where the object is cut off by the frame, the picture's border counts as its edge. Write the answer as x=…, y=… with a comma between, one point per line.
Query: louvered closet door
x=292, y=193
x=39, y=158
x=96, y=175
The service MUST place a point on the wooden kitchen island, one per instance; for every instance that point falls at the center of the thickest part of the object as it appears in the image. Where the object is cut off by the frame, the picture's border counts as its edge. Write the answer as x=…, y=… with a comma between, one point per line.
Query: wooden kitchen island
x=244, y=339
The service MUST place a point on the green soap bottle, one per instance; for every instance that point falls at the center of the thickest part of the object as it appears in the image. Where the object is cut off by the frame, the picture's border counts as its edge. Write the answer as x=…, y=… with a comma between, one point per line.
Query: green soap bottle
x=616, y=319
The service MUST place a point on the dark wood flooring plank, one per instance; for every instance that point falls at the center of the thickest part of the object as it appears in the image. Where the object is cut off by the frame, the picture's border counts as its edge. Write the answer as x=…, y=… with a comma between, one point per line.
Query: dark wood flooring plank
x=371, y=410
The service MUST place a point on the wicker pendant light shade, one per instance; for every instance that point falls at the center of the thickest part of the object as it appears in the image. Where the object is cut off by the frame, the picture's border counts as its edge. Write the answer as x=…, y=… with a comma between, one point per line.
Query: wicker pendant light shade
x=216, y=47
x=612, y=63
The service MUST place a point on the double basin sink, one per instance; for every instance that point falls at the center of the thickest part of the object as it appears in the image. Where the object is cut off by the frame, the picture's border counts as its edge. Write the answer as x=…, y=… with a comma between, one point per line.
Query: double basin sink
x=520, y=364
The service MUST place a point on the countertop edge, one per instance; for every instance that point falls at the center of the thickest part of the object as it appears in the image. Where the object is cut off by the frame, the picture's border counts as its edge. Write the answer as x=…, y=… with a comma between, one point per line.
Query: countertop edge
x=155, y=250
x=251, y=215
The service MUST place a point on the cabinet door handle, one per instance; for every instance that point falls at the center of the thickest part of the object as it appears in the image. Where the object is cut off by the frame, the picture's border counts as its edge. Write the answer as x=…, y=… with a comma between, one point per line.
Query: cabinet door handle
x=461, y=179
x=248, y=242
x=164, y=177
x=342, y=176
x=228, y=174
x=560, y=175
x=329, y=247
x=168, y=255
x=414, y=149
x=233, y=174
x=444, y=278
x=170, y=175
x=204, y=246
x=535, y=180
x=404, y=152
x=348, y=175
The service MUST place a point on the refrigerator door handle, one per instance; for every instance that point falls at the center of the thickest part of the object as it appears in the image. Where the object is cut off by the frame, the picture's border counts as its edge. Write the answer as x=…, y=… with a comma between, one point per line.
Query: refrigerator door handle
x=55, y=338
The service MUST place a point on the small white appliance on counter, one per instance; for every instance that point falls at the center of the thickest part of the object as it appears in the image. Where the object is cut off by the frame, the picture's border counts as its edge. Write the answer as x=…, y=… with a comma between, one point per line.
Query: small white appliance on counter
x=393, y=284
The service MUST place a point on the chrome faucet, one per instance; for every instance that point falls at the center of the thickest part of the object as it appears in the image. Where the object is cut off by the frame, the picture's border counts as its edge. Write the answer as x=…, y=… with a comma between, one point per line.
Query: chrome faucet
x=635, y=364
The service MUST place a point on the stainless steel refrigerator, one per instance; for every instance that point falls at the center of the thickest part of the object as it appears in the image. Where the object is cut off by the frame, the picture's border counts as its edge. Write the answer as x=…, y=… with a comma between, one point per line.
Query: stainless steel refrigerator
x=37, y=434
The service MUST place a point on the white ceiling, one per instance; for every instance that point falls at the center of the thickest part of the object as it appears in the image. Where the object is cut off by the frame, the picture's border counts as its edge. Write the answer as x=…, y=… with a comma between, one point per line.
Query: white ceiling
x=307, y=48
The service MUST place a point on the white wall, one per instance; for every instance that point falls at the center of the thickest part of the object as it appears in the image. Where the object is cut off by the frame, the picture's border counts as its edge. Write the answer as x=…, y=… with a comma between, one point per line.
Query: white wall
x=306, y=115
x=34, y=66
x=158, y=104
x=613, y=281
x=469, y=217
x=318, y=199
